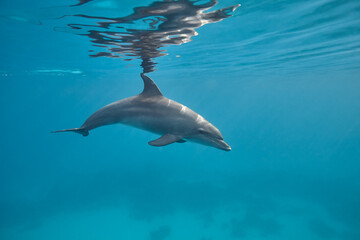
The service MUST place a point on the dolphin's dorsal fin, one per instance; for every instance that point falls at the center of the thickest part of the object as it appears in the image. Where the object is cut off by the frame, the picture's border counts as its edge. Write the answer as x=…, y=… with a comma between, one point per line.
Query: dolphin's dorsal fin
x=165, y=140
x=150, y=88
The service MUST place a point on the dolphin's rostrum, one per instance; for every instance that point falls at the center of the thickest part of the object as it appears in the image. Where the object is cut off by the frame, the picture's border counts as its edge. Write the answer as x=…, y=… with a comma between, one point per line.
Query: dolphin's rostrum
x=153, y=112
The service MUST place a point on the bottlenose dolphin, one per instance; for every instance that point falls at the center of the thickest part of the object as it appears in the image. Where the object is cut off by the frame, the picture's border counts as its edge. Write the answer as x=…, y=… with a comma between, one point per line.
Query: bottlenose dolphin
x=153, y=112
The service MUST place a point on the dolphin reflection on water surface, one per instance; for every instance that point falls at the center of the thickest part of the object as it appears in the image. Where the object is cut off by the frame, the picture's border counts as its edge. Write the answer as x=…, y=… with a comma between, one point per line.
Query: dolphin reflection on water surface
x=144, y=33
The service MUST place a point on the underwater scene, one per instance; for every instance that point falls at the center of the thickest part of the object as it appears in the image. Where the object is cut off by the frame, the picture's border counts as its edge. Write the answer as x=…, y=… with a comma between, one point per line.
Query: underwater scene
x=180, y=120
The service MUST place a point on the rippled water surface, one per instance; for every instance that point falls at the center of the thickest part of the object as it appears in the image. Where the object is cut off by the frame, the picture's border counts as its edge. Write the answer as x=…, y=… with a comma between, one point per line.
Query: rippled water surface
x=280, y=79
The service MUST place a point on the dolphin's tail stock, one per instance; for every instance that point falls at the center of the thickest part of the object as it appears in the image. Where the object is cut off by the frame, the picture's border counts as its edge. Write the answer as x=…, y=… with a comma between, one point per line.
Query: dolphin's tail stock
x=77, y=130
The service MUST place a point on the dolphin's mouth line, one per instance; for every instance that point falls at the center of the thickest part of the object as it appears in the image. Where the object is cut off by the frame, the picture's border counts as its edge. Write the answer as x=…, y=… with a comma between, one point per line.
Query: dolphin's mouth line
x=221, y=143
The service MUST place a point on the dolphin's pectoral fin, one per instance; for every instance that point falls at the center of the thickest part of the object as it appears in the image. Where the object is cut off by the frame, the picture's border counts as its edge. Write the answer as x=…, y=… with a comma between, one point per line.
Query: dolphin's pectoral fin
x=165, y=140
x=181, y=141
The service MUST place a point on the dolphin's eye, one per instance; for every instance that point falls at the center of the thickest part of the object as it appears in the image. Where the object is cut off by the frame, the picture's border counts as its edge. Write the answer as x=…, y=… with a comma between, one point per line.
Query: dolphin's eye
x=202, y=131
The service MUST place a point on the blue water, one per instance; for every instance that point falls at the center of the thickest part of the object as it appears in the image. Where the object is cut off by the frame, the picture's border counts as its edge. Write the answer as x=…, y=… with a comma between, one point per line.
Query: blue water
x=280, y=79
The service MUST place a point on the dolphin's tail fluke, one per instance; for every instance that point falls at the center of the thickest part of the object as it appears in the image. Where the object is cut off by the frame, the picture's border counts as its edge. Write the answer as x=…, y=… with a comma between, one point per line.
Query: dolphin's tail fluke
x=77, y=130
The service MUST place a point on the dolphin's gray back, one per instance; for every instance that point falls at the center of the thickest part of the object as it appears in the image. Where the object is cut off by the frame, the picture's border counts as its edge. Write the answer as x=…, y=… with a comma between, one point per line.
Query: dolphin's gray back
x=149, y=110
x=162, y=115
x=146, y=113
x=110, y=114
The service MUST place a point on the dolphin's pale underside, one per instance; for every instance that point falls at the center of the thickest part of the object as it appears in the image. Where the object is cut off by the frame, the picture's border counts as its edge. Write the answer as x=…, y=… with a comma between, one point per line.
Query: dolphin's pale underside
x=153, y=112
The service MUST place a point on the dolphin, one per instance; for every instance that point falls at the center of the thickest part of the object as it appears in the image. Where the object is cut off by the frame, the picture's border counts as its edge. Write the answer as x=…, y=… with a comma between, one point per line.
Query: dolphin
x=153, y=112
